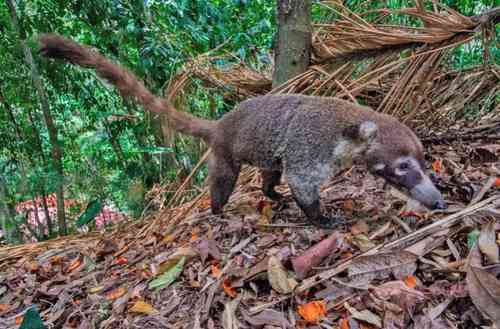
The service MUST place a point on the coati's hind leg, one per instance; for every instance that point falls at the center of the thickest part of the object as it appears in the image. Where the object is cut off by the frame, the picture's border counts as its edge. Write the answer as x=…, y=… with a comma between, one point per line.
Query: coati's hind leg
x=305, y=192
x=223, y=175
x=270, y=179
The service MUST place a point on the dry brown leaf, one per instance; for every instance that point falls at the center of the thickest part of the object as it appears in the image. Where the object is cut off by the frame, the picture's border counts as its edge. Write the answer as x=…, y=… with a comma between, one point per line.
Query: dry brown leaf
x=229, y=320
x=216, y=272
x=267, y=317
x=365, y=315
x=367, y=268
x=484, y=287
x=487, y=242
x=140, y=306
x=74, y=264
x=360, y=227
x=362, y=242
x=4, y=307
x=313, y=311
x=313, y=256
x=115, y=294
x=344, y=324
x=169, y=238
x=278, y=277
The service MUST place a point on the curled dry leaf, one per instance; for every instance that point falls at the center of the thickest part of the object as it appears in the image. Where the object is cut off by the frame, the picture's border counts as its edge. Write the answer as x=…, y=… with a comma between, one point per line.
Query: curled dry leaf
x=266, y=317
x=313, y=311
x=487, y=242
x=115, y=294
x=400, y=294
x=278, y=277
x=228, y=289
x=367, y=268
x=362, y=242
x=314, y=255
x=140, y=306
x=365, y=315
x=229, y=320
x=74, y=264
x=208, y=247
x=484, y=287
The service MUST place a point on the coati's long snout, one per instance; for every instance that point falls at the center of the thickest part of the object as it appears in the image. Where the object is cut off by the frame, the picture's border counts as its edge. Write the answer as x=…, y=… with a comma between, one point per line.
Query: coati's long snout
x=406, y=174
x=304, y=138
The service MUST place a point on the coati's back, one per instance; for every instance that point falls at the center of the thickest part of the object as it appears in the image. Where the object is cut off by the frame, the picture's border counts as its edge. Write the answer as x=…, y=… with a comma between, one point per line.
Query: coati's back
x=260, y=130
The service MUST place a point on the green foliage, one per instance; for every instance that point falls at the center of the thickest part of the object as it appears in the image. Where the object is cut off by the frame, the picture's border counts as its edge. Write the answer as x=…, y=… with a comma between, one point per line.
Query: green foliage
x=32, y=320
x=93, y=209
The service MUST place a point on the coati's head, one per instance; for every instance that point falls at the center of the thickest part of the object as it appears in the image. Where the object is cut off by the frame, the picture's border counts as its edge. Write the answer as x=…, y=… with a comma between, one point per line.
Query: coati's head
x=396, y=154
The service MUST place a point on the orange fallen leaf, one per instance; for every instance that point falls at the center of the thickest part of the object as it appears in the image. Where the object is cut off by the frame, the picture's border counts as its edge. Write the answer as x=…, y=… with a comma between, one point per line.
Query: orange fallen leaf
x=313, y=311
x=74, y=265
x=194, y=234
x=436, y=166
x=226, y=285
x=344, y=324
x=497, y=182
x=32, y=266
x=4, y=307
x=121, y=260
x=19, y=319
x=216, y=271
x=411, y=281
x=346, y=254
x=115, y=294
x=55, y=260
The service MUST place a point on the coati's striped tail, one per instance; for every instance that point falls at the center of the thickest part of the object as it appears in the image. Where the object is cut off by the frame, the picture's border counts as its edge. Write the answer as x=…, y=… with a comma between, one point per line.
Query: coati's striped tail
x=56, y=46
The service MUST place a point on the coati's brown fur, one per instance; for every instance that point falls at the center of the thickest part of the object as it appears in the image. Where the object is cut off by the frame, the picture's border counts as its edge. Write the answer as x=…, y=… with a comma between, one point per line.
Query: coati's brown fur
x=306, y=138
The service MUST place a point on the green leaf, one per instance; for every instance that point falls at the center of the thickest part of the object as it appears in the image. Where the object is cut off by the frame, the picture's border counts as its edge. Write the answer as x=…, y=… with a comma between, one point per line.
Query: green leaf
x=168, y=277
x=32, y=320
x=472, y=238
x=93, y=209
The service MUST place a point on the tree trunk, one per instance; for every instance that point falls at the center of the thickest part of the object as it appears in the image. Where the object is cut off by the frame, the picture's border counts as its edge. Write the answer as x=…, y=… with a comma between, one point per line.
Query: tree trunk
x=20, y=137
x=52, y=129
x=7, y=214
x=293, y=41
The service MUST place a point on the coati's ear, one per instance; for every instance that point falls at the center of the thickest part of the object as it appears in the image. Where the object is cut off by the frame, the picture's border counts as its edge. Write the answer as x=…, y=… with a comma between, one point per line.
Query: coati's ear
x=365, y=131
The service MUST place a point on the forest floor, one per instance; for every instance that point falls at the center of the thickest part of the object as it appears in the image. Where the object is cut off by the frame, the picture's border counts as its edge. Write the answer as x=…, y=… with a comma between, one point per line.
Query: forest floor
x=385, y=266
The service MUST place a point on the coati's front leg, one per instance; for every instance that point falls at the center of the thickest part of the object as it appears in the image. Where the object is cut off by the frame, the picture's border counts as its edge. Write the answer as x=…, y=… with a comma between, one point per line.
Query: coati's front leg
x=223, y=175
x=270, y=179
x=305, y=191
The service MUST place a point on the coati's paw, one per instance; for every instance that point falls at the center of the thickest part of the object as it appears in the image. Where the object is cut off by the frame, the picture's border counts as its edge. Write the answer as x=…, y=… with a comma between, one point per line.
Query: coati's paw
x=328, y=222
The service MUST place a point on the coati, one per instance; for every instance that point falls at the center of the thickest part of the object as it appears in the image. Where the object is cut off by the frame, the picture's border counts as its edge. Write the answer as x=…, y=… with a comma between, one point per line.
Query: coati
x=304, y=138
